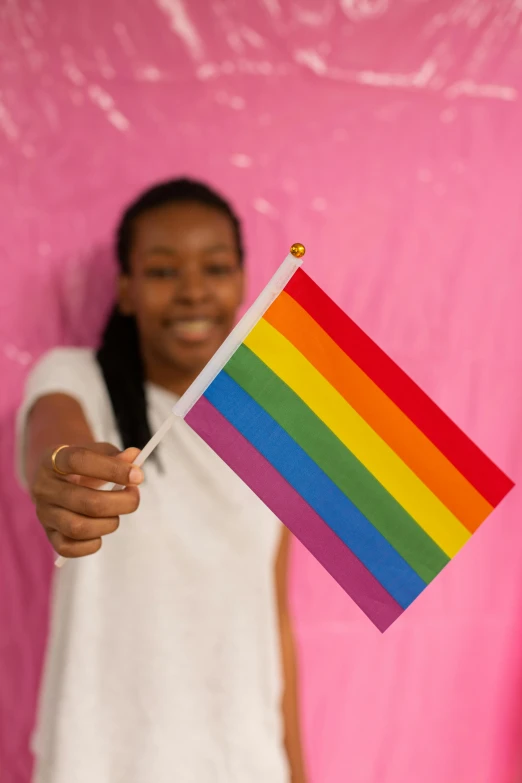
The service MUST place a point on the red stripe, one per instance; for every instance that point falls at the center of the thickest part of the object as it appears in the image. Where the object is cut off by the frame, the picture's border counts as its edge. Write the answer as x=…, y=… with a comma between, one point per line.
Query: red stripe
x=480, y=471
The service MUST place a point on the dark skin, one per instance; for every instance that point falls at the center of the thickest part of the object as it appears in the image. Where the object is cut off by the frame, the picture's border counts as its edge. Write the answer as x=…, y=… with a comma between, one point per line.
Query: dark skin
x=184, y=288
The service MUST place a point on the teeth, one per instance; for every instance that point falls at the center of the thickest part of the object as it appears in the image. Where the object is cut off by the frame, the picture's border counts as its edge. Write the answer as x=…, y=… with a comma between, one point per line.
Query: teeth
x=192, y=329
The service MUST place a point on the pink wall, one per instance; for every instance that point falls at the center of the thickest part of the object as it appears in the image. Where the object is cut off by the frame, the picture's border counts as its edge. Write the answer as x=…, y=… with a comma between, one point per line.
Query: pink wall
x=388, y=138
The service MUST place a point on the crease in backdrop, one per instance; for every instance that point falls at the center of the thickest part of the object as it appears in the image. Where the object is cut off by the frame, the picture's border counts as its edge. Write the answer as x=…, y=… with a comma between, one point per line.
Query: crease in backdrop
x=387, y=137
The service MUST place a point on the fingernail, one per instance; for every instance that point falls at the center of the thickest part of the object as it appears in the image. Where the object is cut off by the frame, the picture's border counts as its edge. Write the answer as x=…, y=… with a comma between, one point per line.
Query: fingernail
x=135, y=475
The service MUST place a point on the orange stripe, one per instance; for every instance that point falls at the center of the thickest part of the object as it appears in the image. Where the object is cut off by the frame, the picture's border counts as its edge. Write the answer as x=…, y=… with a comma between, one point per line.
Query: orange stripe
x=383, y=416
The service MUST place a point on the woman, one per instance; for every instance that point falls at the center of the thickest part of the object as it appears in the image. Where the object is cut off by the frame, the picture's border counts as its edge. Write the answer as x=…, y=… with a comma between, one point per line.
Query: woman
x=170, y=654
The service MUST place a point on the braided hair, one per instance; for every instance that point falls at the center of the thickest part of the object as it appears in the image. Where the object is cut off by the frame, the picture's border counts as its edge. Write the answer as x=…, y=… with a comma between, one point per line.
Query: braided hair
x=119, y=355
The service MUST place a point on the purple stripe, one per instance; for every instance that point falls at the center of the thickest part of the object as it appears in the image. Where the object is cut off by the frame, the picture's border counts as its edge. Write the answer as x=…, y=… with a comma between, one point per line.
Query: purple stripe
x=294, y=512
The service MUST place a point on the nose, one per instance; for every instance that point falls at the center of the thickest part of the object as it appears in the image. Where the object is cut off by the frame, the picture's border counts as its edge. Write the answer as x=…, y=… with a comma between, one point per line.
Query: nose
x=192, y=287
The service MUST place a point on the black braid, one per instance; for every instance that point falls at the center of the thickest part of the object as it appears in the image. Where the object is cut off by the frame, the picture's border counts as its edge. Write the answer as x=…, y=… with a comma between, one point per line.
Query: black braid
x=119, y=355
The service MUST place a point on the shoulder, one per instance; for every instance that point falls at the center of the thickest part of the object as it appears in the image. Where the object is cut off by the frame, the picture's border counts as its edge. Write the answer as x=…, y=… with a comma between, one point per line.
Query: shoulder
x=71, y=371
x=65, y=370
x=65, y=361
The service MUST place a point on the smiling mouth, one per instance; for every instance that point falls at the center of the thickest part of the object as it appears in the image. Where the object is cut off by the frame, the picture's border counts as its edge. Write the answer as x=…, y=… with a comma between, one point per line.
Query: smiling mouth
x=193, y=330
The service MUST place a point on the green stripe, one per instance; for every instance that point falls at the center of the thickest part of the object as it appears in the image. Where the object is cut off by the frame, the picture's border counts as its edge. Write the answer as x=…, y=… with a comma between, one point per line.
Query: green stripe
x=339, y=464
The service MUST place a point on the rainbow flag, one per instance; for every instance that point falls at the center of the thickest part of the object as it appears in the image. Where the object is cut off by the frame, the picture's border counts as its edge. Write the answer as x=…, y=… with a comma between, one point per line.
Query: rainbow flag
x=348, y=452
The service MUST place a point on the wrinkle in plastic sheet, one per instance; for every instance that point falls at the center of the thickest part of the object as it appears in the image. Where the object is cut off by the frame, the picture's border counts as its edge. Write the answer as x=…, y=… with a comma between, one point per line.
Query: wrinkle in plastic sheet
x=383, y=135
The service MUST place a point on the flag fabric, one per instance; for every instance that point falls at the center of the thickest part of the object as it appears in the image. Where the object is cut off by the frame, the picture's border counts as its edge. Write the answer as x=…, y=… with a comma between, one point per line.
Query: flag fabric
x=348, y=452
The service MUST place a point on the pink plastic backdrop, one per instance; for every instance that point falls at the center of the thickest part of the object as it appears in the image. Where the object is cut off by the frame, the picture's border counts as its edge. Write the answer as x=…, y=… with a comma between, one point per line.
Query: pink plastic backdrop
x=387, y=137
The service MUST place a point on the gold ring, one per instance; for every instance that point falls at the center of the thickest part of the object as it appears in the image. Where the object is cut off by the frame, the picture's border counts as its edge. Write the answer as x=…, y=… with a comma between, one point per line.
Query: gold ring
x=53, y=460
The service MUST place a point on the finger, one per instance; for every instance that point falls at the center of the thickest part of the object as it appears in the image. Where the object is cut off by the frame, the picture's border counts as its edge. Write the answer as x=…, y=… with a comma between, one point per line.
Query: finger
x=78, y=460
x=129, y=455
x=95, y=503
x=77, y=526
x=66, y=547
x=99, y=448
x=103, y=448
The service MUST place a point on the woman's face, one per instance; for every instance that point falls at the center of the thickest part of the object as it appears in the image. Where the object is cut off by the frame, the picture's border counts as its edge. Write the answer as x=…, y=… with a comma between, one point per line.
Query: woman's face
x=185, y=285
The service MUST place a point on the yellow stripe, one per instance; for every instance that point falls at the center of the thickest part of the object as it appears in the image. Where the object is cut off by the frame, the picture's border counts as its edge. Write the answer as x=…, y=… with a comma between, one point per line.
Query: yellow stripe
x=396, y=477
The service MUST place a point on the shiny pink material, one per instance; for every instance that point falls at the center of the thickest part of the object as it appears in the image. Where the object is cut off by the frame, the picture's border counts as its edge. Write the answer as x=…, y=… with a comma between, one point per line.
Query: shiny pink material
x=385, y=136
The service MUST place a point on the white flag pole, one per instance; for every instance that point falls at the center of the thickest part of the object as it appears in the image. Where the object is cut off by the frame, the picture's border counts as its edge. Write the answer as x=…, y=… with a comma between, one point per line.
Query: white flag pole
x=238, y=334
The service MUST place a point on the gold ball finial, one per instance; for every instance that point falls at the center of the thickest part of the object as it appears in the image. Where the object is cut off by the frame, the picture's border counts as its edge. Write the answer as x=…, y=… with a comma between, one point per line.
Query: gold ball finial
x=298, y=250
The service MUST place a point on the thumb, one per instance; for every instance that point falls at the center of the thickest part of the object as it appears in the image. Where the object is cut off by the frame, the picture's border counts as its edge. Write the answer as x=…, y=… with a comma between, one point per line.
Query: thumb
x=109, y=450
x=129, y=455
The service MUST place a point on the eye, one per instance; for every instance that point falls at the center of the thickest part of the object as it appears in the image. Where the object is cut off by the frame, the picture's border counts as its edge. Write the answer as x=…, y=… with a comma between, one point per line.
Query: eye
x=161, y=272
x=219, y=269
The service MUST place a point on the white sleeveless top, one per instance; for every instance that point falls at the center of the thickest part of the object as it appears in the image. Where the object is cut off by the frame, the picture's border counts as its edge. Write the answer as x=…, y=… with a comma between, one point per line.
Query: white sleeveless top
x=163, y=664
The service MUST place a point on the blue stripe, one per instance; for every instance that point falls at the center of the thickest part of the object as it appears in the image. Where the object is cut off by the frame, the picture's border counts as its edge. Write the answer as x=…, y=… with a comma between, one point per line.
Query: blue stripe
x=302, y=473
